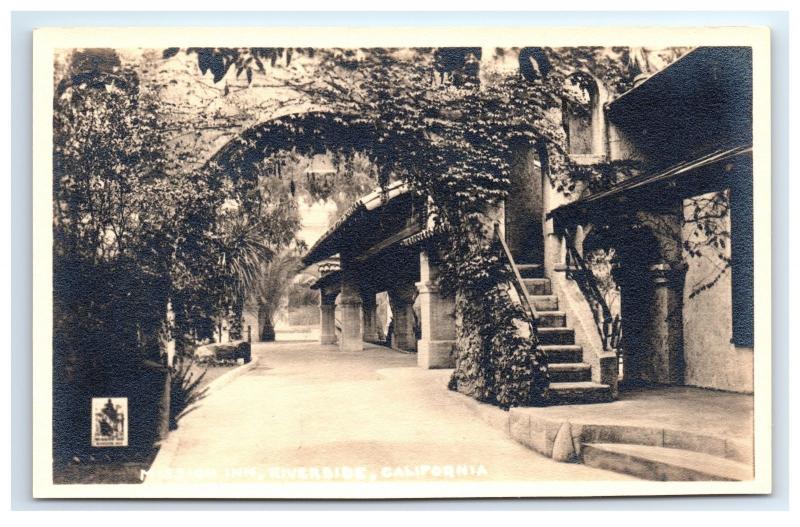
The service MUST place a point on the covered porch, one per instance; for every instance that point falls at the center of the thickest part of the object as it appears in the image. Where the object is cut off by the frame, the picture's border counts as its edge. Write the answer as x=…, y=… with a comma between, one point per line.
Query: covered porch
x=680, y=223
x=643, y=220
x=378, y=246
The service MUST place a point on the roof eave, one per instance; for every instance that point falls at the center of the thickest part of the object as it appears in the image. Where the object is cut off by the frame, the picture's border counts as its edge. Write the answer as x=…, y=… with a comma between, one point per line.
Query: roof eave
x=327, y=245
x=594, y=201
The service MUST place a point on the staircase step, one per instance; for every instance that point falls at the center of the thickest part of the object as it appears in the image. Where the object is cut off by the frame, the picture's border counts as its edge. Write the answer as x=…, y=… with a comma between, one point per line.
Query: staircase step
x=556, y=335
x=562, y=353
x=537, y=286
x=545, y=302
x=530, y=270
x=552, y=319
x=585, y=392
x=570, y=372
x=663, y=464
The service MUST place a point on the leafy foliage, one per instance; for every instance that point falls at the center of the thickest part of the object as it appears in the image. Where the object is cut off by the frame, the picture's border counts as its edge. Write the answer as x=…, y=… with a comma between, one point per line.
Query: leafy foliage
x=600, y=176
x=435, y=120
x=274, y=282
x=113, y=240
x=185, y=391
x=243, y=60
x=242, y=248
x=111, y=219
x=135, y=230
x=495, y=362
x=708, y=217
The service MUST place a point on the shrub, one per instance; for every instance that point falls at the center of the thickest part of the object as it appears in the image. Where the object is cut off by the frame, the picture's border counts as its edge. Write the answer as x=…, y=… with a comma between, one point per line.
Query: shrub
x=185, y=391
x=228, y=352
x=494, y=363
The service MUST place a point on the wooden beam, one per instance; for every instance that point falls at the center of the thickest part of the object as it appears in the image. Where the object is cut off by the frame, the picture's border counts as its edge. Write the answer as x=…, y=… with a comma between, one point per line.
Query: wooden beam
x=388, y=242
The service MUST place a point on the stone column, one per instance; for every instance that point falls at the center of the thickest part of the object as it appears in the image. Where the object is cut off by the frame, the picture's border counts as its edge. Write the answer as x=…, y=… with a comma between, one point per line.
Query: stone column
x=369, y=317
x=555, y=247
x=401, y=300
x=327, y=318
x=349, y=305
x=664, y=336
x=523, y=212
x=437, y=319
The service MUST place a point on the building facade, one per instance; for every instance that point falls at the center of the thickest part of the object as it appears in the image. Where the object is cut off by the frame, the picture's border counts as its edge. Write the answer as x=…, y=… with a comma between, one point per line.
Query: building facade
x=677, y=224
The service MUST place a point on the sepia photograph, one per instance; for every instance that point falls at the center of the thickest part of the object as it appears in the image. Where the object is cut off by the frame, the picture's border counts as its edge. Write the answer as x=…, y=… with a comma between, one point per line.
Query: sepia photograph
x=351, y=263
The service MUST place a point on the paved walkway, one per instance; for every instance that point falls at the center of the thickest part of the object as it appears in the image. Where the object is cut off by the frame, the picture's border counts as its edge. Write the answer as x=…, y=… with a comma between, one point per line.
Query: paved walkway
x=695, y=410
x=310, y=412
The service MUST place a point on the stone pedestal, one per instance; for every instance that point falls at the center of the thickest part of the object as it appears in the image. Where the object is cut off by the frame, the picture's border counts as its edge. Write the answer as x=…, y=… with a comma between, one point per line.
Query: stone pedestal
x=401, y=300
x=369, y=317
x=349, y=305
x=437, y=320
x=327, y=321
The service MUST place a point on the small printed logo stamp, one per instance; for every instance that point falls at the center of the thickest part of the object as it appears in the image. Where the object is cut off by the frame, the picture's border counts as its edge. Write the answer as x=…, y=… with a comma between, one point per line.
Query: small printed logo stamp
x=109, y=421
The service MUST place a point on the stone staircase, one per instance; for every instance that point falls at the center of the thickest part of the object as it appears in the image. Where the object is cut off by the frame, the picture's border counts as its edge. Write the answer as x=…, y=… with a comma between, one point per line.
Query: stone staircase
x=570, y=378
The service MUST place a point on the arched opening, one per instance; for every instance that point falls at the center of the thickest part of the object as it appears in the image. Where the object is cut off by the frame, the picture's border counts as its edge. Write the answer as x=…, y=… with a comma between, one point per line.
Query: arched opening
x=310, y=133
x=583, y=116
x=293, y=164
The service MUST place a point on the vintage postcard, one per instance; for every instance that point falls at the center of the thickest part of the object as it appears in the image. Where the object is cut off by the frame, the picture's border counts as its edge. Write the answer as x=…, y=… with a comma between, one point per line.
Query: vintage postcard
x=401, y=263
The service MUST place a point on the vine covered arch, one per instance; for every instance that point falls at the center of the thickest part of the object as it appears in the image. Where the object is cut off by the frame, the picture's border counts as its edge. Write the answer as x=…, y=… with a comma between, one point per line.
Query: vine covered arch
x=306, y=133
x=461, y=147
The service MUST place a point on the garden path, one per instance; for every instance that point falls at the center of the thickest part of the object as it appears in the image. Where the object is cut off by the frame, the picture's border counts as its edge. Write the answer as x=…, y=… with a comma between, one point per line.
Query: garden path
x=308, y=412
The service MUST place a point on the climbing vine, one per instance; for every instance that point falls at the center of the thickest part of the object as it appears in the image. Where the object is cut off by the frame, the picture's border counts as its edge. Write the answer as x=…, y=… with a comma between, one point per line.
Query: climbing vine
x=434, y=119
x=708, y=220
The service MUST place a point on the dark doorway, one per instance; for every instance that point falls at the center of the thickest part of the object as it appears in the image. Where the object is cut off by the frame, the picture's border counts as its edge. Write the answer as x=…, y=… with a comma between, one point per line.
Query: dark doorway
x=524, y=206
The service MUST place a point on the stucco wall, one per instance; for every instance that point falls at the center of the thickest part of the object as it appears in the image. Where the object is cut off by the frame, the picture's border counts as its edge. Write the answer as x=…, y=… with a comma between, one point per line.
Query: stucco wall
x=711, y=360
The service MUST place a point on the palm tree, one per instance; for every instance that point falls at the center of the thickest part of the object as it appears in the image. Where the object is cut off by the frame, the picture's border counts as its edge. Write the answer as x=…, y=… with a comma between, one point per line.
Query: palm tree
x=243, y=249
x=273, y=283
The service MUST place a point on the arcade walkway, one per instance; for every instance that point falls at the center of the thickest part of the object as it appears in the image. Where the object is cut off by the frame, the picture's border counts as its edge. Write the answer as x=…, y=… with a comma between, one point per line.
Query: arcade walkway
x=306, y=406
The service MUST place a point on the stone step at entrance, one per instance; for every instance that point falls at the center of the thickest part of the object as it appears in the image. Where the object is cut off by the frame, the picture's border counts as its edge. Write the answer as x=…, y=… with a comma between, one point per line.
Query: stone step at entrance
x=545, y=302
x=663, y=464
x=570, y=372
x=537, y=286
x=552, y=319
x=556, y=335
x=562, y=353
x=530, y=270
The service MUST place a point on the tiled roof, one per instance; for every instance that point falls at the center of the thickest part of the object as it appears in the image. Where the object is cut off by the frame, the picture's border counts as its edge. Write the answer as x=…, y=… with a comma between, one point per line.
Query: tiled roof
x=326, y=245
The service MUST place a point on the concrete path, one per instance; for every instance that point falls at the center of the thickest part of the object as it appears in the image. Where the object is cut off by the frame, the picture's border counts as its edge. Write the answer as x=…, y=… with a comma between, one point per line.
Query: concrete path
x=696, y=410
x=310, y=412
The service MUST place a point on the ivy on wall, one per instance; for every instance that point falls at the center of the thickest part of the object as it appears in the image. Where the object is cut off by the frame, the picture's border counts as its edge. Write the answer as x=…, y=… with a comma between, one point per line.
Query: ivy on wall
x=434, y=119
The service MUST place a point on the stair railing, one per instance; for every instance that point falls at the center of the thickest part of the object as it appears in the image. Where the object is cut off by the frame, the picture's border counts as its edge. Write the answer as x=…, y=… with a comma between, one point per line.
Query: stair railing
x=519, y=285
x=608, y=326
